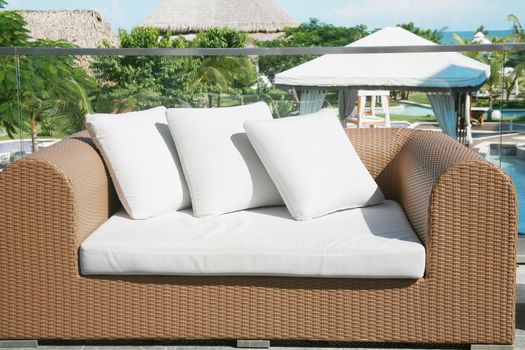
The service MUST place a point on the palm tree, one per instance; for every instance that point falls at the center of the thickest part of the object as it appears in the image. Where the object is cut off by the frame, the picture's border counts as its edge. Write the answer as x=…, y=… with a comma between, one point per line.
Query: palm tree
x=517, y=28
x=51, y=87
x=496, y=62
x=516, y=60
x=228, y=74
x=482, y=29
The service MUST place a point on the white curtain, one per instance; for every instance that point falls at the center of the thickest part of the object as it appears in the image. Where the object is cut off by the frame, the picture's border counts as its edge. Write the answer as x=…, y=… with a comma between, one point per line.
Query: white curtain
x=385, y=104
x=444, y=108
x=347, y=103
x=468, y=119
x=311, y=101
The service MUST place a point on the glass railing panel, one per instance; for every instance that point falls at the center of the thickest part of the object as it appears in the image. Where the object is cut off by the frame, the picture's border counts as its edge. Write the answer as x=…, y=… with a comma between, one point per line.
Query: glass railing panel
x=487, y=109
x=507, y=116
x=512, y=151
x=49, y=97
x=512, y=154
x=54, y=99
x=12, y=129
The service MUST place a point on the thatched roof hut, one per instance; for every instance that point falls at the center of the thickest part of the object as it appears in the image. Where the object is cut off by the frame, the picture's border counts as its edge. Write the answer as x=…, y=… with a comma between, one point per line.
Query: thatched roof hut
x=84, y=28
x=262, y=19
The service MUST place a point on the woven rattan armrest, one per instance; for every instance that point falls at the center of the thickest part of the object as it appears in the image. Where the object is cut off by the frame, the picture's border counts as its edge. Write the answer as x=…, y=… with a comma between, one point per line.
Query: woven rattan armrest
x=65, y=185
x=449, y=193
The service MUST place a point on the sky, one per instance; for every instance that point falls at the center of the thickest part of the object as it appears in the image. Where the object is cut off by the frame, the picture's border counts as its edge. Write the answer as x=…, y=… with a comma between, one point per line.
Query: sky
x=455, y=15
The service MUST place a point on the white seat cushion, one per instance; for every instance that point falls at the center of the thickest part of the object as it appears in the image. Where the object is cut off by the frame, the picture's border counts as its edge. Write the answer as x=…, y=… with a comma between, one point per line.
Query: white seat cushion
x=372, y=242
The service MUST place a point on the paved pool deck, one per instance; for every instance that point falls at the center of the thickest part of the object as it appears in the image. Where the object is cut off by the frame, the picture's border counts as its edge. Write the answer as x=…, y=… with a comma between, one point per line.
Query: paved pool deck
x=515, y=139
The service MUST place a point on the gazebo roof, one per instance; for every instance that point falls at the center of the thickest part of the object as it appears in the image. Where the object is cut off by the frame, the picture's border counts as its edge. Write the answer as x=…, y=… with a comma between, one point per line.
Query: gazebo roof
x=191, y=16
x=427, y=71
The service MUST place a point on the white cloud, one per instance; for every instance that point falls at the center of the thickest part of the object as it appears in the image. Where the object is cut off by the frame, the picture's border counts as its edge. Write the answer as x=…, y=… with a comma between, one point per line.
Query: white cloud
x=458, y=14
x=114, y=13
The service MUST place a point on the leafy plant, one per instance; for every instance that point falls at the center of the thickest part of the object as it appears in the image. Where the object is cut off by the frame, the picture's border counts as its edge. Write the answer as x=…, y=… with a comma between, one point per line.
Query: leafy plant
x=429, y=34
x=47, y=126
x=517, y=28
x=311, y=34
x=224, y=74
x=481, y=29
x=130, y=83
x=140, y=81
x=13, y=31
x=52, y=87
x=282, y=108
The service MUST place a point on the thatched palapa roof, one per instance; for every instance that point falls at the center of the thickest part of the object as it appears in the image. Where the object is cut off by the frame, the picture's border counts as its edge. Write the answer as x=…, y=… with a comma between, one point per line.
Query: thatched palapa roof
x=192, y=16
x=84, y=28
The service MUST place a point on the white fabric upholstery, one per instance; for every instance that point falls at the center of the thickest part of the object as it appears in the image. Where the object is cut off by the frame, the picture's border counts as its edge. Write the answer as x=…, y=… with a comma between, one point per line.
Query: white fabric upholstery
x=372, y=242
x=313, y=164
x=223, y=171
x=140, y=154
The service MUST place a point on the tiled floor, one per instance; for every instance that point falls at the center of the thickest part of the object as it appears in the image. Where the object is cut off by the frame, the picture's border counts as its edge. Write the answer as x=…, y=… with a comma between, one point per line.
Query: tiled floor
x=520, y=331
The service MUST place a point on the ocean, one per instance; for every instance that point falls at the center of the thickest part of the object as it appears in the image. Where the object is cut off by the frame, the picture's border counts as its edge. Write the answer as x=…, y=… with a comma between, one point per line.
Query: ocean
x=448, y=36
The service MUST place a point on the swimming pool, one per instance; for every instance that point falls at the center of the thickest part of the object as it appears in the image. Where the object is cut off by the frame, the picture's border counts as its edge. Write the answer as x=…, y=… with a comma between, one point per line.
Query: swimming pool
x=14, y=146
x=407, y=109
x=417, y=110
x=516, y=169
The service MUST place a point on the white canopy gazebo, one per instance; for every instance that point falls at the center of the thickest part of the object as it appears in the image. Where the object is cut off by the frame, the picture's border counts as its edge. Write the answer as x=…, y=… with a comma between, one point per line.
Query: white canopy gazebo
x=447, y=77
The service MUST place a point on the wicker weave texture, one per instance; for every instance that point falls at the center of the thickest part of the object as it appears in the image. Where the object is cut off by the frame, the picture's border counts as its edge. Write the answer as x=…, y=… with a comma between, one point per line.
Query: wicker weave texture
x=463, y=208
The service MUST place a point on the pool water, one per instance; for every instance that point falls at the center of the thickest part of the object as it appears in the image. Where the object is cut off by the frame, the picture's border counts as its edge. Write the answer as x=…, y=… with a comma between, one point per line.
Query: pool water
x=407, y=109
x=515, y=168
x=24, y=145
x=416, y=110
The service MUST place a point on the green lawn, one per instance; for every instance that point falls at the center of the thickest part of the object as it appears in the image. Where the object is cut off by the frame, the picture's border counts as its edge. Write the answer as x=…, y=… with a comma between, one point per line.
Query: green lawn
x=412, y=118
x=419, y=97
x=26, y=135
x=7, y=138
x=515, y=119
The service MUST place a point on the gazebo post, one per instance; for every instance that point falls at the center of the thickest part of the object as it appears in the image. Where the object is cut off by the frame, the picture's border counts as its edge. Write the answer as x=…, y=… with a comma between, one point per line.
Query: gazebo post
x=388, y=121
x=359, y=112
x=461, y=110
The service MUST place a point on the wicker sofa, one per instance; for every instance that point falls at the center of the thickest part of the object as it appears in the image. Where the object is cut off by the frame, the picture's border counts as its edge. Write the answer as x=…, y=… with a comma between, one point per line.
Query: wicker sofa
x=462, y=208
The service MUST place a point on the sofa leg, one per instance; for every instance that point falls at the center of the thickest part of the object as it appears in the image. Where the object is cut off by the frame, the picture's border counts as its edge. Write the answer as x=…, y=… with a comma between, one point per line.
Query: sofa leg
x=18, y=344
x=253, y=344
x=492, y=347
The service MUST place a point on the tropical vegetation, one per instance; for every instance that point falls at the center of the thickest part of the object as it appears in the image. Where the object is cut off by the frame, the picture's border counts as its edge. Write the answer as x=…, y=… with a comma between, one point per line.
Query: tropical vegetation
x=141, y=82
x=55, y=92
x=507, y=68
x=429, y=34
x=46, y=89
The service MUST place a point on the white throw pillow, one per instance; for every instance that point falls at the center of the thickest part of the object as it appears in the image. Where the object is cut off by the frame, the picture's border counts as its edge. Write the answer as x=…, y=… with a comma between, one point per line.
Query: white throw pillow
x=139, y=152
x=313, y=164
x=223, y=171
